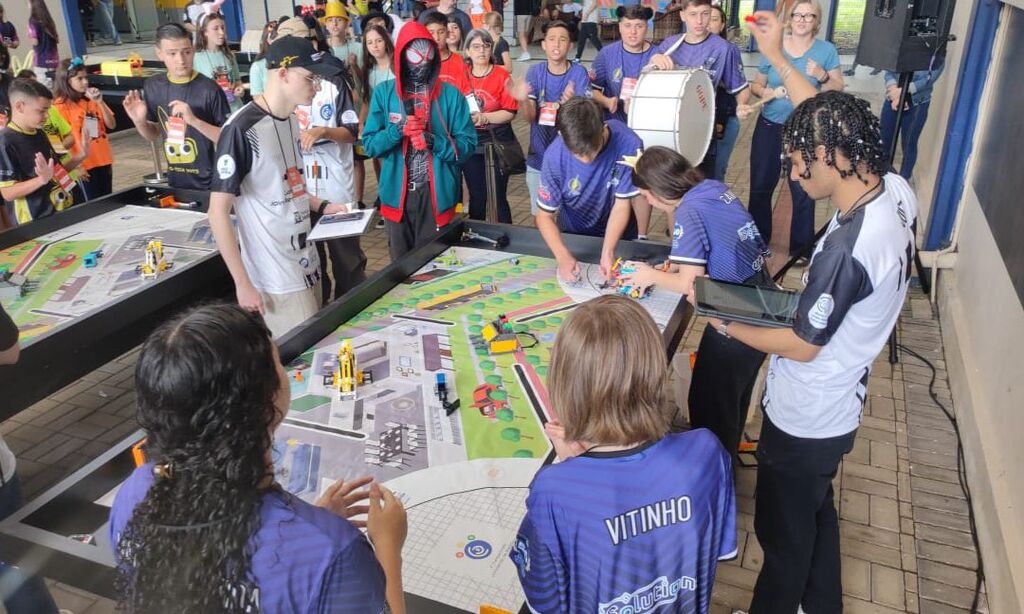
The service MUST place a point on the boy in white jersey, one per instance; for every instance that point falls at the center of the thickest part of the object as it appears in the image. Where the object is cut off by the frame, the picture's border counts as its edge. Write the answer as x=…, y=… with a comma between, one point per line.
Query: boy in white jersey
x=258, y=171
x=818, y=371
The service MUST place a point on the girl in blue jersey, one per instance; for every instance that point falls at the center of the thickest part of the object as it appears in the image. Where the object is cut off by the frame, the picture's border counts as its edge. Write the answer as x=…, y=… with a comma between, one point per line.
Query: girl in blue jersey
x=203, y=527
x=633, y=515
x=712, y=235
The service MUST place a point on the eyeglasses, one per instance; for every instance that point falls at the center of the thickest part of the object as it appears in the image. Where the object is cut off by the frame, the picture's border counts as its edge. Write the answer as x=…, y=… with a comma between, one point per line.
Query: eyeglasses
x=314, y=79
x=803, y=16
x=480, y=47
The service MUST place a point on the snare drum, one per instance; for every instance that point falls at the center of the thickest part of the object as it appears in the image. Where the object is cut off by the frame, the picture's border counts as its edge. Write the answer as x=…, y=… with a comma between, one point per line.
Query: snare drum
x=675, y=109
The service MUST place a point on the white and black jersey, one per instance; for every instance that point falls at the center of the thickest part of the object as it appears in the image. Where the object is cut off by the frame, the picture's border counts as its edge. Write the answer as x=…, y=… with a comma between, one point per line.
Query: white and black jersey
x=328, y=164
x=855, y=287
x=254, y=154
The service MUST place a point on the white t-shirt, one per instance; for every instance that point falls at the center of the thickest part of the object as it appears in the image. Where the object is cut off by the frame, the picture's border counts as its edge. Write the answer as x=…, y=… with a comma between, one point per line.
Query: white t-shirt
x=854, y=291
x=254, y=153
x=328, y=164
x=594, y=14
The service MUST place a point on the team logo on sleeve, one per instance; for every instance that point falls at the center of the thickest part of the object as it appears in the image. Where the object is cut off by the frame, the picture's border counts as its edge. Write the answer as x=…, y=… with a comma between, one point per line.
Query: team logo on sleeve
x=225, y=167
x=677, y=233
x=822, y=309
x=748, y=232
x=543, y=193
x=349, y=117
x=521, y=555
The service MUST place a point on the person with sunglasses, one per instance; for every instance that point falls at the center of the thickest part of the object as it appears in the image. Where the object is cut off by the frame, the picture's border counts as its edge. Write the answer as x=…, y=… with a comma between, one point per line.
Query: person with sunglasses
x=817, y=60
x=258, y=172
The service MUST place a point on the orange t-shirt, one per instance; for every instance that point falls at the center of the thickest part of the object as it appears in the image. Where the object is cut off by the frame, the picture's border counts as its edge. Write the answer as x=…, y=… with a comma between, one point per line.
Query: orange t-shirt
x=75, y=114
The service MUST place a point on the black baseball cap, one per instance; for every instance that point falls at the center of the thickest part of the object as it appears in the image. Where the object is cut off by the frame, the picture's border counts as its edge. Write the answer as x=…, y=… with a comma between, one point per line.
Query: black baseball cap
x=297, y=52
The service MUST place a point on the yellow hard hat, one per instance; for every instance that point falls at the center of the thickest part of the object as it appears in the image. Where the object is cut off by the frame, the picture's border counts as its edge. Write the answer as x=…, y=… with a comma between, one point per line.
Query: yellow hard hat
x=335, y=9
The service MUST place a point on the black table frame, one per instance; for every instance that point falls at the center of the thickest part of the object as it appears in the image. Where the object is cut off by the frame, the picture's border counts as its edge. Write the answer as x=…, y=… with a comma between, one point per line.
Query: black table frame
x=55, y=556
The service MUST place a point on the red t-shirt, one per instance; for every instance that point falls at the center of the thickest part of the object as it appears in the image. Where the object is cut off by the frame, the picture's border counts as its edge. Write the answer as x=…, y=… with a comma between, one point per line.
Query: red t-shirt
x=453, y=71
x=491, y=92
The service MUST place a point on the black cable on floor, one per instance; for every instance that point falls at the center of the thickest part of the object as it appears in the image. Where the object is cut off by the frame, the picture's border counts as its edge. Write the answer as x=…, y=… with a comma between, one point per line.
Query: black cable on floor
x=961, y=471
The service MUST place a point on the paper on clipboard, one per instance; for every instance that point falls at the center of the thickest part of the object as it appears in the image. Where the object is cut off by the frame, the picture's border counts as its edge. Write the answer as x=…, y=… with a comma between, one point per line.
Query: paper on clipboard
x=341, y=225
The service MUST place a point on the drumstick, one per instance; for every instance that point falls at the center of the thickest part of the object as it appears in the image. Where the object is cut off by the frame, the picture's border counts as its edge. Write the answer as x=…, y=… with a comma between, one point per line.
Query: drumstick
x=668, y=52
x=779, y=92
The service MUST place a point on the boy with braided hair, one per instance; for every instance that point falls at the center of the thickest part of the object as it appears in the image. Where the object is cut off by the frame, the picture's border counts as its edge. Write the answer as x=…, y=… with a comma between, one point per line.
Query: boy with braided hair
x=818, y=370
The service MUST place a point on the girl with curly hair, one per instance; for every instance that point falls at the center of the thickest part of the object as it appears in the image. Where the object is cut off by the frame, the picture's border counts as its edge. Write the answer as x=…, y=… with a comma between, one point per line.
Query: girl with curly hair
x=203, y=527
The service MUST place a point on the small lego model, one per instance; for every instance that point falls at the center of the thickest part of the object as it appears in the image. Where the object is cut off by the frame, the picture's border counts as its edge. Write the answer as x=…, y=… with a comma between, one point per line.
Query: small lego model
x=91, y=259
x=441, y=390
x=346, y=376
x=622, y=269
x=450, y=259
x=500, y=337
x=155, y=262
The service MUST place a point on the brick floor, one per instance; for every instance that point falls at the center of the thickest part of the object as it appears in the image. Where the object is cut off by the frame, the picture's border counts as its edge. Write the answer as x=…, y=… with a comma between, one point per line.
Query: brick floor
x=904, y=530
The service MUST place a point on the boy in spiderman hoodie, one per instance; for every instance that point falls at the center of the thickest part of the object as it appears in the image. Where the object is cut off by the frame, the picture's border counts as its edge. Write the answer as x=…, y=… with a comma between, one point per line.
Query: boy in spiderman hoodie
x=420, y=129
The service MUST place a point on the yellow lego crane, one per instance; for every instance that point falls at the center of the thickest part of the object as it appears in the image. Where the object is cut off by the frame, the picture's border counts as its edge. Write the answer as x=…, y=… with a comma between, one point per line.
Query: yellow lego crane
x=346, y=376
x=154, y=263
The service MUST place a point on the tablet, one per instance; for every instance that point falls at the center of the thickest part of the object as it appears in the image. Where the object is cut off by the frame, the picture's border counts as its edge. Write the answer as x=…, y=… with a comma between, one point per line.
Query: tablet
x=749, y=304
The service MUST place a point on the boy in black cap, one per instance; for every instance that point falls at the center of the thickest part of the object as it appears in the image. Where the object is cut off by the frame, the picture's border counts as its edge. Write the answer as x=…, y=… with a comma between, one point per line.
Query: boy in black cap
x=258, y=172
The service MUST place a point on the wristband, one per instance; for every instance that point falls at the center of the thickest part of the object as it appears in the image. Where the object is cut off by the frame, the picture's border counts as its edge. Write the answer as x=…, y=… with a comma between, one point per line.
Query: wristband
x=323, y=206
x=826, y=79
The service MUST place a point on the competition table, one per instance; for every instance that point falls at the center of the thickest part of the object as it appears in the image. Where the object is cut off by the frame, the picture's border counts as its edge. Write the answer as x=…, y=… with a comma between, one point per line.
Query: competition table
x=462, y=475
x=76, y=317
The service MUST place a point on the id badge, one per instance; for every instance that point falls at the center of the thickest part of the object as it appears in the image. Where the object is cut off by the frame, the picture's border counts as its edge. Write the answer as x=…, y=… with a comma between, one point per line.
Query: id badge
x=548, y=114
x=92, y=126
x=628, y=87
x=176, y=131
x=61, y=176
x=296, y=184
x=474, y=106
x=302, y=115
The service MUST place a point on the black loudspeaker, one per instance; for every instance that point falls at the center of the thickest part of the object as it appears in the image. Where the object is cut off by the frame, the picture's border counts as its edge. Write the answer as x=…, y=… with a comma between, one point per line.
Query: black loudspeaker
x=902, y=35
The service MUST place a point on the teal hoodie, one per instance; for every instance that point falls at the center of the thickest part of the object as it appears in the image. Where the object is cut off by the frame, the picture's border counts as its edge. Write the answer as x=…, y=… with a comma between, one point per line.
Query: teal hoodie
x=450, y=123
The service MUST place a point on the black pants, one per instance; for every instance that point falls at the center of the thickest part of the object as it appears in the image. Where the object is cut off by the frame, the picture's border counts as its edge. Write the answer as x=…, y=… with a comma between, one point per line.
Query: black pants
x=723, y=380
x=765, y=166
x=418, y=224
x=475, y=171
x=588, y=31
x=796, y=523
x=100, y=182
x=342, y=265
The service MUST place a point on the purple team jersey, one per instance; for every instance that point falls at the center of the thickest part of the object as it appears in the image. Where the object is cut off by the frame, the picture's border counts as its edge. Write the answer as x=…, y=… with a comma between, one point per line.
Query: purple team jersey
x=583, y=194
x=612, y=65
x=546, y=86
x=714, y=54
x=714, y=230
x=637, y=530
x=305, y=559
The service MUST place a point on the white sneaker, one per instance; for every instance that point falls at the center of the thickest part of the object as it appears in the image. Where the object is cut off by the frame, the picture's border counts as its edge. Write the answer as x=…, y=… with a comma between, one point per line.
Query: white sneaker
x=525, y=57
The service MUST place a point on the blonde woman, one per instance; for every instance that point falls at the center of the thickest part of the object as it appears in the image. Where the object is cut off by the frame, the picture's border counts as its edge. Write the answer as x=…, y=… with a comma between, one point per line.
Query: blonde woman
x=817, y=60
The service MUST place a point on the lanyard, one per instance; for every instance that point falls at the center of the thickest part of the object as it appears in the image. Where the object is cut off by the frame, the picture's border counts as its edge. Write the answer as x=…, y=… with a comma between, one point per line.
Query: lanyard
x=280, y=145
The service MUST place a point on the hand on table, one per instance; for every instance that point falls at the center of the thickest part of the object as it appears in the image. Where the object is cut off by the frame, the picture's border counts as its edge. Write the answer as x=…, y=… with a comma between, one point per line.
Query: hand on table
x=386, y=523
x=642, y=277
x=569, y=270
x=343, y=499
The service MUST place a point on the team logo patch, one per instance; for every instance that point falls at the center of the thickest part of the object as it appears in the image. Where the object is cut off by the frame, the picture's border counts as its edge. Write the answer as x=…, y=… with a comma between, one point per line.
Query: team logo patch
x=521, y=556
x=823, y=307
x=748, y=232
x=349, y=117
x=543, y=193
x=574, y=186
x=395, y=118
x=327, y=111
x=677, y=232
x=225, y=167
x=617, y=75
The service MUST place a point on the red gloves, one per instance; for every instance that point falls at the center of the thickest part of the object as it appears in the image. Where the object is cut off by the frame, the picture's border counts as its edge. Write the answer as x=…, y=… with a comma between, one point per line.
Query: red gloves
x=414, y=129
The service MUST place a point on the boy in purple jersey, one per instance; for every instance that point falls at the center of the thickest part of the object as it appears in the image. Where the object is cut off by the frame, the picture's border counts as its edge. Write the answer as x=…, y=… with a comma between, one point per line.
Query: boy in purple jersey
x=202, y=526
x=541, y=93
x=618, y=65
x=634, y=519
x=587, y=183
x=713, y=235
x=699, y=48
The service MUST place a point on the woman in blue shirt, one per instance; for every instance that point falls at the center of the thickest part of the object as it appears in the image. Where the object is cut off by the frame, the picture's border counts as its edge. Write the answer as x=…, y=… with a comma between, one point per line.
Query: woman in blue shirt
x=818, y=60
x=203, y=526
x=713, y=235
